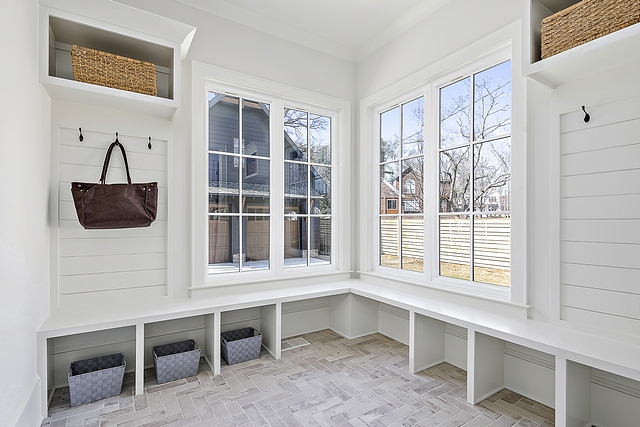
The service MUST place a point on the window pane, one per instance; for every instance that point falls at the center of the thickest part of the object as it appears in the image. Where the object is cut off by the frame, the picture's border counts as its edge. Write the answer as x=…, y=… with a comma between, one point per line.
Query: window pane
x=295, y=188
x=255, y=189
x=454, y=180
x=412, y=186
x=255, y=128
x=492, y=249
x=224, y=119
x=390, y=135
x=320, y=139
x=492, y=102
x=413, y=243
x=295, y=241
x=320, y=247
x=255, y=241
x=389, y=255
x=455, y=247
x=389, y=191
x=492, y=176
x=223, y=244
x=295, y=135
x=455, y=123
x=320, y=190
x=412, y=128
x=223, y=184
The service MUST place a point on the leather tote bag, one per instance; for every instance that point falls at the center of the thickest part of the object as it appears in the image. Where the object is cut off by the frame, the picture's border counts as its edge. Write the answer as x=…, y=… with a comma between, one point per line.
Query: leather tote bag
x=104, y=205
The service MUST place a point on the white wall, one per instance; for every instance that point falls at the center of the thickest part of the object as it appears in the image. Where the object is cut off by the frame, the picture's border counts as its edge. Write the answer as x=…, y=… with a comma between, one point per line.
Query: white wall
x=232, y=46
x=109, y=266
x=24, y=228
x=452, y=27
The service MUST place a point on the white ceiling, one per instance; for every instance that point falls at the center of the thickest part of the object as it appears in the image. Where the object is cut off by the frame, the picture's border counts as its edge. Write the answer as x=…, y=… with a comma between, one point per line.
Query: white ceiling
x=349, y=29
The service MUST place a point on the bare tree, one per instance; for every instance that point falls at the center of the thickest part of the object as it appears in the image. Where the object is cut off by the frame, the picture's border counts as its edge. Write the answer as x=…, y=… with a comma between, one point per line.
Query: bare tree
x=491, y=158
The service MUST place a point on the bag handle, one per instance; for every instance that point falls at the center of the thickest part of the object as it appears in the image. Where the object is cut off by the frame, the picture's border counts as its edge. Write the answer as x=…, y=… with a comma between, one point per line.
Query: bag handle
x=107, y=159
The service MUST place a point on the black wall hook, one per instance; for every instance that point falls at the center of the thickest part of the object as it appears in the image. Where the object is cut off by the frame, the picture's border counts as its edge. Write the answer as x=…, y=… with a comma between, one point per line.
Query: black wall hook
x=81, y=138
x=587, y=117
x=149, y=145
x=117, y=137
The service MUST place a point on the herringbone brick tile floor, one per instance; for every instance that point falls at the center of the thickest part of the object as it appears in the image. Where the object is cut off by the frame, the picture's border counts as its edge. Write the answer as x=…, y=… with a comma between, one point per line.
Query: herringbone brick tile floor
x=332, y=381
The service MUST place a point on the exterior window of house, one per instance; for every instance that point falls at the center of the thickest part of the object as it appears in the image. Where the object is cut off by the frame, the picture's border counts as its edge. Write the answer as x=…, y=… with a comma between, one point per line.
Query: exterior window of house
x=409, y=186
x=474, y=156
x=239, y=184
x=307, y=188
x=401, y=178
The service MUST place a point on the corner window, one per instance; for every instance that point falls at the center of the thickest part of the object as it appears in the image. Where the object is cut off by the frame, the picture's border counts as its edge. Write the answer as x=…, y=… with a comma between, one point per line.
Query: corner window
x=401, y=179
x=239, y=184
x=474, y=159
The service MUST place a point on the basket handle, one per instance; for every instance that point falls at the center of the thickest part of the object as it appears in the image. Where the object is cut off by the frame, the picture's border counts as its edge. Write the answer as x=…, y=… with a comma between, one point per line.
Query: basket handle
x=107, y=159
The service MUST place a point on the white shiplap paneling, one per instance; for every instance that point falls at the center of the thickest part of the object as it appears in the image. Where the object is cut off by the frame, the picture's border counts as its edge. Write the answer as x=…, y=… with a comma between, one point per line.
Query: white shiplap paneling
x=600, y=223
x=110, y=264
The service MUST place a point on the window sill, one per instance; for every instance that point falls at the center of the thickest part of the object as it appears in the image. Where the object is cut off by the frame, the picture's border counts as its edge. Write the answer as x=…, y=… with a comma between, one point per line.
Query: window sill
x=475, y=290
x=231, y=279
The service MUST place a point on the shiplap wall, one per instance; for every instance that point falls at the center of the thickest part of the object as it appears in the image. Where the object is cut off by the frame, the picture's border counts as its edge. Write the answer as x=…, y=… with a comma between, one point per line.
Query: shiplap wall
x=125, y=263
x=600, y=217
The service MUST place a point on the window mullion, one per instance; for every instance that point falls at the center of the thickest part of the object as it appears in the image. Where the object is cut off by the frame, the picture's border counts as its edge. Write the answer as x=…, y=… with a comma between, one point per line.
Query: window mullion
x=240, y=184
x=277, y=171
x=472, y=131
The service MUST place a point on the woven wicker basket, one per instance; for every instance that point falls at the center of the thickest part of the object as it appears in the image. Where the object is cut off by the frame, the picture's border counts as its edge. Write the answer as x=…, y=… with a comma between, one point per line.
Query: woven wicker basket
x=95, y=379
x=586, y=21
x=115, y=71
x=240, y=345
x=176, y=360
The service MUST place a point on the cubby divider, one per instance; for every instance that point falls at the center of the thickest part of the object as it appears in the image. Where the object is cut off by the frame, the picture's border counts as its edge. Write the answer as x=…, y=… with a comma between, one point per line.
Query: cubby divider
x=595, y=397
x=427, y=345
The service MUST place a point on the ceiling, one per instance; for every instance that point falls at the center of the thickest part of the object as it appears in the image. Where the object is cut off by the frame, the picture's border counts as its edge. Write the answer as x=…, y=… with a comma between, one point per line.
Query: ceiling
x=349, y=29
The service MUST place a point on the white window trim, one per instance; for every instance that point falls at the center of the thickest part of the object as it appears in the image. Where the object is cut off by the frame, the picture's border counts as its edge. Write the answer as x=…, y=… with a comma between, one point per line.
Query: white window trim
x=210, y=78
x=497, y=47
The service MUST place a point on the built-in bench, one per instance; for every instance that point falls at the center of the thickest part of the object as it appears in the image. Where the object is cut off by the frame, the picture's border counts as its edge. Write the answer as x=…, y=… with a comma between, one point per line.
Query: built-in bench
x=551, y=363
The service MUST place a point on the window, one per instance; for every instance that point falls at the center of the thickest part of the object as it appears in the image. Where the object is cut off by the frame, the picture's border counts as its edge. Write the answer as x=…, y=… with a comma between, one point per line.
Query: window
x=409, y=186
x=307, y=188
x=244, y=161
x=474, y=152
x=239, y=184
x=401, y=167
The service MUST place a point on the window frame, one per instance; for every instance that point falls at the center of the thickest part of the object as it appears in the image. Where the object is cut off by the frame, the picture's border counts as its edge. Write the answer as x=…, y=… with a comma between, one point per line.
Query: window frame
x=403, y=196
x=241, y=159
x=472, y=213
x=469, y=70
x=308, y=164
x=208, y=78
x=500, y=46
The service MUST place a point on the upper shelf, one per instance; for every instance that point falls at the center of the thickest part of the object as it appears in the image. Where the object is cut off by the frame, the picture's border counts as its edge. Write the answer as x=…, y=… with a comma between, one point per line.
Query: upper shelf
x=62, y=29
x=612, y=50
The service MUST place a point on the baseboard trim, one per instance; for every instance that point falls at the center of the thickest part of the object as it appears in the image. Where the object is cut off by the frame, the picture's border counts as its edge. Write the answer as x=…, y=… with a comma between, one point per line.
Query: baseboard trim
x=394, y=311
x=615, y=386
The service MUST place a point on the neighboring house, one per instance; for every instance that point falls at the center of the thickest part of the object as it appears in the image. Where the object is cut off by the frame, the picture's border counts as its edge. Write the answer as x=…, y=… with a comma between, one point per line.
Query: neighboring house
x=389, y=198
x=411, y=189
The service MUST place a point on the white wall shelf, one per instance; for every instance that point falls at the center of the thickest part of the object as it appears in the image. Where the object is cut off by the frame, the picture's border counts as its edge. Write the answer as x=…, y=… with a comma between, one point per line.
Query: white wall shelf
x=61, y=29
x=595, y=56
